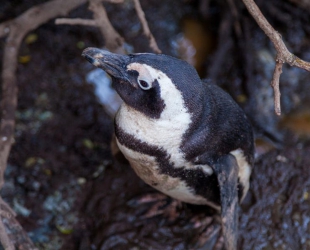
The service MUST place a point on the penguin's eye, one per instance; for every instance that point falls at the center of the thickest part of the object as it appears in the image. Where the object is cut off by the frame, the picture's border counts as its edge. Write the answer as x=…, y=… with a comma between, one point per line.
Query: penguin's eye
x=144, y=85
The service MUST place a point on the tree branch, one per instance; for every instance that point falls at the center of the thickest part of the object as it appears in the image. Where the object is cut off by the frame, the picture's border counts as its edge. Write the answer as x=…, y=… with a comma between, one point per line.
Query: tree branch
x=275, y=85
x=114, y=1
x=145, y=27
x=113, y=41
x=283, y=54
x=15, y=30
x=76, y=21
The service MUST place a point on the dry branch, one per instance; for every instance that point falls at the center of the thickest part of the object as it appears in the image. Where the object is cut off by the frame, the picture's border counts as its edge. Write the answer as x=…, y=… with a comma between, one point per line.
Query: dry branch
x=76, y=21
x=145, y=27
x=114, y=1
x=113, y=41
x=283, y=54
x=275, y=82
x=14, y=31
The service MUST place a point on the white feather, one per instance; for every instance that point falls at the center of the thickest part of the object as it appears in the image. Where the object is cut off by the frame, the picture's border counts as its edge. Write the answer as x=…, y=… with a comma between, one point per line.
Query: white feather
x=244, y=170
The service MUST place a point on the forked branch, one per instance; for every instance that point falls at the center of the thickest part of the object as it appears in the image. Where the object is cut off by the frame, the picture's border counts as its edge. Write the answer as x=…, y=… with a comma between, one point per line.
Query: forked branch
x=283, y=54
x=113, y=41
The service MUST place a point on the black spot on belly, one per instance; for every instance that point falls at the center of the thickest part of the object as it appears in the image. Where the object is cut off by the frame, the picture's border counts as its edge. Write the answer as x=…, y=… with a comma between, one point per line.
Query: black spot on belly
x=201, y=183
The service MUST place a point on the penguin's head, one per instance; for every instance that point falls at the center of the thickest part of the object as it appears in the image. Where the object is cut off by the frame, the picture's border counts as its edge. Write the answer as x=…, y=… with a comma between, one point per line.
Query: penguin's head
x=150, y=83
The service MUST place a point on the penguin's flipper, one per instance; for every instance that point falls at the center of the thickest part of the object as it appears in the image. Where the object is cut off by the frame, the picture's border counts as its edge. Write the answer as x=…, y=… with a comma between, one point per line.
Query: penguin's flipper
x=226, y=170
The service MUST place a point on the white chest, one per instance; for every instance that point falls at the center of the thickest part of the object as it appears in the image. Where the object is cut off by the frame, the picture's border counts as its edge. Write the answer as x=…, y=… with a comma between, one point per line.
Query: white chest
x=165, y=135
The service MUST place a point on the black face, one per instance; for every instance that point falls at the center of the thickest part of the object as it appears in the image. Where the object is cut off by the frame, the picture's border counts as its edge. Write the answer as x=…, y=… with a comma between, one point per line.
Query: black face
x=140, y=91
x=141, y=95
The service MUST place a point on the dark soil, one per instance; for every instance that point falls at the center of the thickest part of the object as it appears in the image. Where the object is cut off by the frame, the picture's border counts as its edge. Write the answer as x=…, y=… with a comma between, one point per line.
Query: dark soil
x=70, y=192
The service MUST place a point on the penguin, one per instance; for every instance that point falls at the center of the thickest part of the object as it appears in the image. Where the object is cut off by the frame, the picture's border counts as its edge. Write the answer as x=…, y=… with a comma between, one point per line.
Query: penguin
x=183, y=136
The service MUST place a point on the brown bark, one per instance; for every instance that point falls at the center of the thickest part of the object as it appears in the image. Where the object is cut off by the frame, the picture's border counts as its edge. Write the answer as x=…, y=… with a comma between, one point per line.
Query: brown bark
x=113, y=41
x=145, y=27
x=14, y=31
x=283, y=54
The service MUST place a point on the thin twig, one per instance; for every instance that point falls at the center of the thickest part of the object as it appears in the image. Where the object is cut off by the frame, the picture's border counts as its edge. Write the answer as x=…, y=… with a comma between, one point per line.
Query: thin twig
x=275, y=85
x=114, y=1
x=113, y=40
x=76, y=21
x=145, y=27
x=15, y=30
x=283, y=54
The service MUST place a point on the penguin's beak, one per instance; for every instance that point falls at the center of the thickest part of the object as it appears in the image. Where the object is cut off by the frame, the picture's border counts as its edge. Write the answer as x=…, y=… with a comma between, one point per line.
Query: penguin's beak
x=113, y=64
